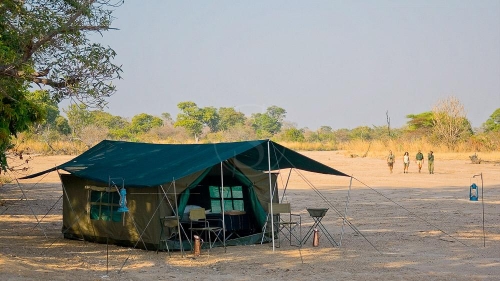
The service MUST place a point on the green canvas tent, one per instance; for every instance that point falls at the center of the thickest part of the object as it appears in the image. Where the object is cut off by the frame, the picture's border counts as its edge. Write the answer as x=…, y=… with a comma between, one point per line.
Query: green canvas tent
x=166, y=179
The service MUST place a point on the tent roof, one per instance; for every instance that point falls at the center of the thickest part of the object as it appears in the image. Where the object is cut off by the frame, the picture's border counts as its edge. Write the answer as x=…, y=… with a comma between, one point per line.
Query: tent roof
x=145, y=164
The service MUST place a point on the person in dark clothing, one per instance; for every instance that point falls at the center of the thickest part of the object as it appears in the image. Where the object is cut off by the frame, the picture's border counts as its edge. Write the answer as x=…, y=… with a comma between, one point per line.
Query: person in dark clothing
x=420, y=160
x=430, y=162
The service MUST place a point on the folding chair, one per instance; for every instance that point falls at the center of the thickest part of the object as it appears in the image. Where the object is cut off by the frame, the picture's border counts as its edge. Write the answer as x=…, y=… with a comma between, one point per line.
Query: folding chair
x=286, y=223
x=197, y=217
x=168, y=225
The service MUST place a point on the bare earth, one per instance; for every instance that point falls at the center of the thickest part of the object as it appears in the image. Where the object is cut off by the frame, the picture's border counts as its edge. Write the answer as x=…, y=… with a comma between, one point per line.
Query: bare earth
x=411, y=227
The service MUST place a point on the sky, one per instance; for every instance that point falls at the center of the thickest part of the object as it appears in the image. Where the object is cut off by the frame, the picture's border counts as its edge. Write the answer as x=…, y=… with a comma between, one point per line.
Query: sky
x=332, y=63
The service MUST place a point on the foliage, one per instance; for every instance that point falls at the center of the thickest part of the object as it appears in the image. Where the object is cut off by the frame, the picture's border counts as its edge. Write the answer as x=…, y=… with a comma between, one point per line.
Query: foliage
x=143, y=122
x=62, y=125
x=269, y=123
x=293, y=135
x=18, y=114
x=52, y=49
x=210, y=117
x=229, y=118
x=493, y=123
x=191, y=118
x=342, y=135
x=361, y=133
x=48, y=106
x=419, y=121
x=78, y=117
x=46, y=43
x=195, y=119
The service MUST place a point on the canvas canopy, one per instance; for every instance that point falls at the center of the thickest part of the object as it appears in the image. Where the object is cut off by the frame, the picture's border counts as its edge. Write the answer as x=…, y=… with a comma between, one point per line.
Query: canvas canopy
x=147, y=165
x=160, y=176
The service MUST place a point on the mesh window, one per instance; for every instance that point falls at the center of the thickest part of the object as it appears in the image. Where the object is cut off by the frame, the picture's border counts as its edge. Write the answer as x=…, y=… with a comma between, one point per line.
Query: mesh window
x=103, y=206
x=237, y=192
x=214, y=191
x=233, y=199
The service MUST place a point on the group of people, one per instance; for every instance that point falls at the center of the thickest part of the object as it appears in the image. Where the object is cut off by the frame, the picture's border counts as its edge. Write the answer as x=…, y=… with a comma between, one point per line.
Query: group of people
x=419, y=157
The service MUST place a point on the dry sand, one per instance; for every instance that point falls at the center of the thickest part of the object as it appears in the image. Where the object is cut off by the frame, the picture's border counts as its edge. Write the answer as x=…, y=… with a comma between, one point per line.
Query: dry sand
x=411, y=227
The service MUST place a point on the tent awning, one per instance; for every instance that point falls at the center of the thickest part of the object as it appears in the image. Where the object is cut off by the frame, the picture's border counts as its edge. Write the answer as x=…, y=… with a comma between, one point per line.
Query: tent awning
x=145, y=164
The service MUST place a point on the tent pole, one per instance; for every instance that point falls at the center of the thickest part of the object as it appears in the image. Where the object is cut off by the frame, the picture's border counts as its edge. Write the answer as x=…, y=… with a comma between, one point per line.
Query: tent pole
x=223, y=211
x=178, y=222
x=270, y=192
x=345, y=213
x=286, y=185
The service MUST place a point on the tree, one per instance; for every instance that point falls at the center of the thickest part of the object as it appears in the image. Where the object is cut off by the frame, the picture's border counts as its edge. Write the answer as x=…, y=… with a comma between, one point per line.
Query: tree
x=210, y=118
x=361, y=132
x=194, y=119
x=143, y=122
x=493, y=123
x=325, y=133
x=421, y=121
x=17, y=114
x=229, y=118
x=107, y=120
x=78, y=118
x=342, y=135
x=167, y=117
x=62, y=125
x=450, y=122
x=190, y=118
x=269, y=123
x=420, y=125
x=46, y=43
x=293, y=134
x=48, y=106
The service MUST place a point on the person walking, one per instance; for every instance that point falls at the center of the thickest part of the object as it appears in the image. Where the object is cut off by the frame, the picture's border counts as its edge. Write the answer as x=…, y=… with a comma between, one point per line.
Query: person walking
x=406, y=162
x=420, y=160
x=390, y=160
x=430, y=162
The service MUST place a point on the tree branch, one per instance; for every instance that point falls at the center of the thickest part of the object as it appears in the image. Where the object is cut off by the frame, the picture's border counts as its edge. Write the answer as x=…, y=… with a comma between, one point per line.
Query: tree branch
x=54, y=84
x=34, y=46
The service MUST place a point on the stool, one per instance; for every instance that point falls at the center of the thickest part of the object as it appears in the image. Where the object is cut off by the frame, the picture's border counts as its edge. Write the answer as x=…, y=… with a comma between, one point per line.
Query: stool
x=318, y=214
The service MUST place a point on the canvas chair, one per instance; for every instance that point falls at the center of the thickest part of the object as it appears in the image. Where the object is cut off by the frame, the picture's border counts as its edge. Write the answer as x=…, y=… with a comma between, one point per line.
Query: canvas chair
x=169, y=224
x=286, y=223
x=200, y=225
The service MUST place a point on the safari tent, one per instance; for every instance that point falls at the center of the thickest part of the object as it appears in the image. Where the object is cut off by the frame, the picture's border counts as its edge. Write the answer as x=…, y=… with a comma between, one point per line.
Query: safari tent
x=117, y=192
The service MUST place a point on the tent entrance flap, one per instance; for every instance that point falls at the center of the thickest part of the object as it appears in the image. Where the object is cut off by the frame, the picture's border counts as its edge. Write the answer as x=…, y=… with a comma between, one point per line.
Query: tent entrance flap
x=240, y=199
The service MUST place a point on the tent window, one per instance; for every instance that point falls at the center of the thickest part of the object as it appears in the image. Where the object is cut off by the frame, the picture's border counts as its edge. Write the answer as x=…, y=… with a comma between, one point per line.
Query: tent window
x=104, y=205
x=233, y=199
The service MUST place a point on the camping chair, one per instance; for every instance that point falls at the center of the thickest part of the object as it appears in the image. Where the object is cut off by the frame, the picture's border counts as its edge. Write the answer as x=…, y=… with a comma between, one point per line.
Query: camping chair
x=285, y=222
x=169, y=224
x=202, y=227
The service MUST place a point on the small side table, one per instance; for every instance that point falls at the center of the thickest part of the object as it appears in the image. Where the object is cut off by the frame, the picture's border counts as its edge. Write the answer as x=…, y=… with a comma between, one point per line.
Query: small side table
x=318, y=214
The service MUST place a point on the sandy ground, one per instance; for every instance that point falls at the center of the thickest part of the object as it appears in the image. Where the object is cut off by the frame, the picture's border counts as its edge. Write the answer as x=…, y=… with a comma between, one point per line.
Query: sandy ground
x=401, y=227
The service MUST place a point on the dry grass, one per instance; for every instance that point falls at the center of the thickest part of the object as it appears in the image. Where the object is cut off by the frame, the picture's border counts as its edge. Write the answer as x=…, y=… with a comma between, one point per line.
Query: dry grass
x=379, y=149
x=356, y=148
x=30, y=146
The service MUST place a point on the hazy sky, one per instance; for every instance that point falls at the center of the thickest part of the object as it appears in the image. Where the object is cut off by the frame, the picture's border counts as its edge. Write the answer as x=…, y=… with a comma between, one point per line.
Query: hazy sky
x=341, y=64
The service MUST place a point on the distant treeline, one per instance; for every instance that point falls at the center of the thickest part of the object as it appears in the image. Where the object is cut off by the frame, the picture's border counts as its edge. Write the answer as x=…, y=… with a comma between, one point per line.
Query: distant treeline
x=444, y=128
